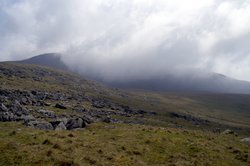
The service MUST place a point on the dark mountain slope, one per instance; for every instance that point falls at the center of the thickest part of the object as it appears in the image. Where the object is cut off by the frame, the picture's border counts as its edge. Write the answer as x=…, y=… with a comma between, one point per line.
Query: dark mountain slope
x=199, y=82
x=49, y=59
x=191, y=81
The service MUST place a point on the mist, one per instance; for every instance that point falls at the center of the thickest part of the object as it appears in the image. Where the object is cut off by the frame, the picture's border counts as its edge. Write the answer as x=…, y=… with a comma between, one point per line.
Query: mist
x=127, y=40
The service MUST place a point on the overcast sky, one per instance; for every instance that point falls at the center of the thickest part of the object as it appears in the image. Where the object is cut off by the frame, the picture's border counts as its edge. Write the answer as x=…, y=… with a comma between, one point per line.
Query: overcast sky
x=131, y=38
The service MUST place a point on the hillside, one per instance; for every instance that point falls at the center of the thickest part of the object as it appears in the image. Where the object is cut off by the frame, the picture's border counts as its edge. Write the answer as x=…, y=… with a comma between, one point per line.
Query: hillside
x=191, y=81
x=54, y=117
x=50, y=60
x=47, y=80
x=188, y=81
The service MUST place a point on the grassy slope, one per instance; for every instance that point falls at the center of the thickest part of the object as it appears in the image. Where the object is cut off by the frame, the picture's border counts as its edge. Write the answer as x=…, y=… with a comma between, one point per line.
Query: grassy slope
x=119, y=144
x=124, y=144
x=229, y=109
x=33, y=77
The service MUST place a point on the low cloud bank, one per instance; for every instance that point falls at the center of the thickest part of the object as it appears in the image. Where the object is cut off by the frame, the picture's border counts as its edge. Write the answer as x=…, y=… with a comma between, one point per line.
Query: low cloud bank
x=126, y=40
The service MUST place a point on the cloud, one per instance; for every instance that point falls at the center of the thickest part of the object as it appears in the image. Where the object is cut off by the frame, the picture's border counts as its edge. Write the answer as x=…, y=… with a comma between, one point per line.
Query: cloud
x=118, y=39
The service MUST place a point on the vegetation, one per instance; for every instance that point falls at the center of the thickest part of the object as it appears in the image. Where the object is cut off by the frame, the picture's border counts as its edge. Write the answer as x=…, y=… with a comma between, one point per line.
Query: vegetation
x=118, y=144
x=159, y=139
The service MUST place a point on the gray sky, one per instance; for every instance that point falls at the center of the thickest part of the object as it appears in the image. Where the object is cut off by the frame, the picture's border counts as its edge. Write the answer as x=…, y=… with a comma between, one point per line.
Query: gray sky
x=117, y=39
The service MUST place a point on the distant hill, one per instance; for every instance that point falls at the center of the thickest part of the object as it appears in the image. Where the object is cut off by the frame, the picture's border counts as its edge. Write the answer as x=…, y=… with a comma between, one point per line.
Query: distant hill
x=192, y=81
x=50, y=59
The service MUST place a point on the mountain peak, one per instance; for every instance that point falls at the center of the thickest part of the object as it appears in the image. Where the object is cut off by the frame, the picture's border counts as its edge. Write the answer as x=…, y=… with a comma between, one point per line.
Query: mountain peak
x=49, y=59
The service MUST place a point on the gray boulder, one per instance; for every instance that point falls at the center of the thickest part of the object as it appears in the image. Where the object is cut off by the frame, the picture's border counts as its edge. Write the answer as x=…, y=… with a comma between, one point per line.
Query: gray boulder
x=27, y=118
x=228, y=131
x=25, y=101
x=64, y=120
x=40, y=125
x=107, y=120
x=61, y=126
x=246, y=140
x=3, y=107
x=7, y=116
x=55, y=123
x=98, y=104
x=60, y=106
x=49, y=114
x=17, y=109
x=88, y=119
x=75, y=123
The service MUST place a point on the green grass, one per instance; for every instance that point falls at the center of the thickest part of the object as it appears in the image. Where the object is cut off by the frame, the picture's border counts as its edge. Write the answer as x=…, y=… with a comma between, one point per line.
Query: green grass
x=158, y=142
x=118, y=144
x=226, y=109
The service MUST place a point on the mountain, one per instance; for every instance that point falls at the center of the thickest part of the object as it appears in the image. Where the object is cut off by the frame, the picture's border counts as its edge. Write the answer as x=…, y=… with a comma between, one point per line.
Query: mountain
x=190, y=81
x=56, y=117
x=49, y=59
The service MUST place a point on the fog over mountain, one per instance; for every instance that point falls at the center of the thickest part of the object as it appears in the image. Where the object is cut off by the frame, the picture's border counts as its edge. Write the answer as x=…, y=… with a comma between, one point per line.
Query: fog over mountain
x=129, y=41
x=50, y=60
x=197, y=81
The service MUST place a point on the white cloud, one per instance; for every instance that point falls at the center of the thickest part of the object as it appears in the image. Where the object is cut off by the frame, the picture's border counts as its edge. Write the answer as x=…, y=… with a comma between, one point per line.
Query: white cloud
x=117, y=39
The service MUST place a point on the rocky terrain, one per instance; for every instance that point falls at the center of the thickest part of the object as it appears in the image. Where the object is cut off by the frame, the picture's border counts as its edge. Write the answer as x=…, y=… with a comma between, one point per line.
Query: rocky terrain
x=54, y=117
x=22, y=106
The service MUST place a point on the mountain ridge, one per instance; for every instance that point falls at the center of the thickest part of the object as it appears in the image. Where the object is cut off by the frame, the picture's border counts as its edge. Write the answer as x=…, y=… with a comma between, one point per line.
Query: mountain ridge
x=49, y=59
x=194, y=81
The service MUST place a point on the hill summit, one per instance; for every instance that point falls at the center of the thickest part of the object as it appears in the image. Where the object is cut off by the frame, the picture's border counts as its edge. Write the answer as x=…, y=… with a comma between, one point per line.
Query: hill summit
x=49, y=59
